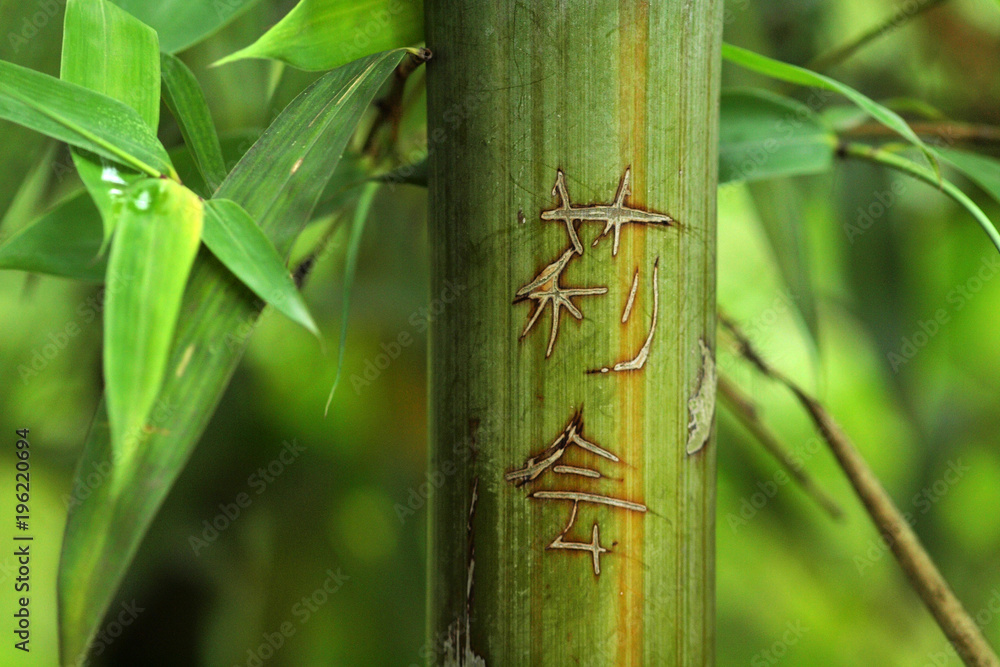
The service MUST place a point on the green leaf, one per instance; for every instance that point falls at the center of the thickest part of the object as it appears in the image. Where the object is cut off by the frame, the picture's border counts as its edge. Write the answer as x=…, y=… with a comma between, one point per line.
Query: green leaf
x=350, y=269
x=22, y=147
x=780, y=210
x=764, y=135
x=183, y=23
x=982, y=170
x=803, y=77
x=187, y=103
x=234, y=147
x=110, y=52
x=323, y=34
x=278, y=183
x=66, y=240
x=158, y=231
x=63, y=242
x=81, y=118
x=236, y=240
x=911, y=168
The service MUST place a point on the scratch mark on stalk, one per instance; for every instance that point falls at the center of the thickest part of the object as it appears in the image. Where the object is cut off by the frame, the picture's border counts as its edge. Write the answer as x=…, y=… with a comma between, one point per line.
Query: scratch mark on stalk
x=545, y=289
x=642, y=356
x=631, y=297
x=458, y=644
x=574, y=470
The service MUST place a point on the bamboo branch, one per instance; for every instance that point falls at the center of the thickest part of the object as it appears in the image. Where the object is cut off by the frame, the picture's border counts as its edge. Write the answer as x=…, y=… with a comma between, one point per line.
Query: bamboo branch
x=743, y=408
x=949, y=132
x=838, y=55
x=390, y=107
x=960, y=629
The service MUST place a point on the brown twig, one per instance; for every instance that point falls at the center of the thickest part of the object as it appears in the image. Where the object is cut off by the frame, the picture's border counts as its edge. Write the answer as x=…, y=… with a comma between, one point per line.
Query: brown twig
x=743, y=408
x=904, y=14
x=948, y=132
x=390, y=107
x=960, y=629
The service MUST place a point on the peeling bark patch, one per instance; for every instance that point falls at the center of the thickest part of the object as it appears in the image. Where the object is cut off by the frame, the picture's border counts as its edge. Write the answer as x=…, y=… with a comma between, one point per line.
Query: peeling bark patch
x=701, y=406
x=642, y=356
x=545, y=290
x=613, y=216
x=535, y=466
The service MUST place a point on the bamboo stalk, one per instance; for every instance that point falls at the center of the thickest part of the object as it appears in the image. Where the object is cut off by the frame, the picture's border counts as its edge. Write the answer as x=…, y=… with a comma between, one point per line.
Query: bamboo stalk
x=553, y=125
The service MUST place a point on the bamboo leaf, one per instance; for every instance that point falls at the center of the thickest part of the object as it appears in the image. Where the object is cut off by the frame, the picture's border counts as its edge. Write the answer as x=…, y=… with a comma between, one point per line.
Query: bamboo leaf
x=780, y=210
x=324, y=34
x=183, y=23
x=80, y=117
x=911, y=168
x=803, y=77
x=110, y=52
x=187, y=103
x=764, y=135
x=278, y=182
x=350, y=269
x=234, y=147
x=982, y=170
x=236, y=240
x=158, y=231
x=64, y=241
x=22, y=147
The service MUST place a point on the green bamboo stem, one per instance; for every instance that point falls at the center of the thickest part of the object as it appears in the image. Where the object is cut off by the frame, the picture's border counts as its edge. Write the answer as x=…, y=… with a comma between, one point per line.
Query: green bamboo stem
x=580, y=95
x=907, y=12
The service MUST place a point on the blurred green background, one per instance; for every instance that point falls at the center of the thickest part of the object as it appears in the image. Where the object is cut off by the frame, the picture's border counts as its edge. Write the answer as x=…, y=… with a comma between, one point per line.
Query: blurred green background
x=793, y=586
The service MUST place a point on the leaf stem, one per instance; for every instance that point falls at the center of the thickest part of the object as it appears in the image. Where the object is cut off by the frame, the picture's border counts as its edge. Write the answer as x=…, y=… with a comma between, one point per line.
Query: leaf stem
x=743, y=408
x=893, y=161
x=838, y=55
x=947, y=131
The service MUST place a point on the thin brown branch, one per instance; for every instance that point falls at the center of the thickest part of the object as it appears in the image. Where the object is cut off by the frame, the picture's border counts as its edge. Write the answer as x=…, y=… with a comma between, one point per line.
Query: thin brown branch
x=947, y=132
x=390, y=107
x=960, y=629
x=304, y=268
x=743, y=408
x=904, y=14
